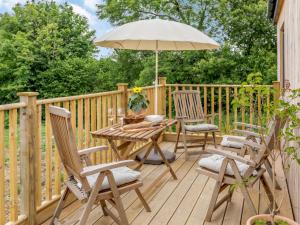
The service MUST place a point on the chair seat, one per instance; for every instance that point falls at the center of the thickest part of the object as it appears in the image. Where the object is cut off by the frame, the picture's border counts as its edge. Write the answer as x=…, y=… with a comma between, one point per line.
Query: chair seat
x=122, y=175
x=201, y=127
x=214, y=163
x=226, y=142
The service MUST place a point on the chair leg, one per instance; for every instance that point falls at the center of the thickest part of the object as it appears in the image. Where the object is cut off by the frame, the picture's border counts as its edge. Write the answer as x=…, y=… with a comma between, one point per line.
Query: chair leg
x=117, y=199
x=60, y=206
x=91, y=200
x=103, y=206
x=205, y=140
x=213, y=201
x=242, y=186
x=177, y=139
x=268, y=190
x=214, y=138
x=185, y=146
x=272, y=176
x=145, y=204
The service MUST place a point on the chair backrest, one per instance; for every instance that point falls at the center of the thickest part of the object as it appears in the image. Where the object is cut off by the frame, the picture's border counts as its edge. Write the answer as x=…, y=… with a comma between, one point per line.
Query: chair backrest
x=188, y=105
x=65, y=140
x=274, y=128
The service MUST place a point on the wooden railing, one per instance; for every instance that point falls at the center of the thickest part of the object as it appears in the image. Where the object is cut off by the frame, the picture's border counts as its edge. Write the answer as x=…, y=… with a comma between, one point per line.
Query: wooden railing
x=31, y=175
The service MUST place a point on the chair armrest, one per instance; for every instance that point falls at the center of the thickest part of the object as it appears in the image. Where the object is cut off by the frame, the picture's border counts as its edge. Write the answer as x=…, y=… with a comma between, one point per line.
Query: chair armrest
x=247, y=133
x=92, y=149
x=251, y=126
x=90, y=170
x=230, y=156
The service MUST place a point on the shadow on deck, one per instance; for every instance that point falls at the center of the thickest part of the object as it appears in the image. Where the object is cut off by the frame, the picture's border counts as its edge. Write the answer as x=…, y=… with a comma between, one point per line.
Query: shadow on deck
x=182, y=201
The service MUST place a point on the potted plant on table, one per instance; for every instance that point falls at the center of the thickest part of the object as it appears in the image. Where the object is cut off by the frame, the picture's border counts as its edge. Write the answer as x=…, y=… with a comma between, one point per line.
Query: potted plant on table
x=138, y=104
x=285, y=145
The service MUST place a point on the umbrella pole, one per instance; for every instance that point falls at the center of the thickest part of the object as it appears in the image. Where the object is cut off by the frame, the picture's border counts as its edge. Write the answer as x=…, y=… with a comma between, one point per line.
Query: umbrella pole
x=156, y=80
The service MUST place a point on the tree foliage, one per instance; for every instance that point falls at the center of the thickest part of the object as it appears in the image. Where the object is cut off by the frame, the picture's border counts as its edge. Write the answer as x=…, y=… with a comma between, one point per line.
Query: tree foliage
x=247, y=38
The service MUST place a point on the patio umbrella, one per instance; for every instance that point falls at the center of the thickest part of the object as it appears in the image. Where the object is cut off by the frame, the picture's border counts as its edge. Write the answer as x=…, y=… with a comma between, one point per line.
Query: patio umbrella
x=156, y=35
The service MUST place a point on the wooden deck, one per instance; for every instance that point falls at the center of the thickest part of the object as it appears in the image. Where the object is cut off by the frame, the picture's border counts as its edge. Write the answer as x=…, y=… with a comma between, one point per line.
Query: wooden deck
x=179, y=202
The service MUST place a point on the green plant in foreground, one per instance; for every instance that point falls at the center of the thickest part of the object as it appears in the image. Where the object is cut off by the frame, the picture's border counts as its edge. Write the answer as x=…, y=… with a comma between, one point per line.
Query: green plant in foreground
x=260, y=222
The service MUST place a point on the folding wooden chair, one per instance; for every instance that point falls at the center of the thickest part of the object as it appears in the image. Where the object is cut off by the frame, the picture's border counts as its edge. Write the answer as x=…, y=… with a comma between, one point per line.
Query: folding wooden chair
x=93, y=184
x=191, y=119
x=255, y=132
x=230, y=169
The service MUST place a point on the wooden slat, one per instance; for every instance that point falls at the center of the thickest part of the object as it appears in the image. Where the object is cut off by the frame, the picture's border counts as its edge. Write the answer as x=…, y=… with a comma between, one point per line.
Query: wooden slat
x=227, y=109
x=38, y=155
x=57, y=164
x=205, y=100
x=220, y=108
x=170, y=104
x=93, y=125
x=235, y=109
x=73, y=115
x=212, y=102
x=87, y=122
x=99, y=125
x=2, y=169
x=13, y=175
x=80, y=124
x=259, y=108
x=48, y=156
x=104, y=124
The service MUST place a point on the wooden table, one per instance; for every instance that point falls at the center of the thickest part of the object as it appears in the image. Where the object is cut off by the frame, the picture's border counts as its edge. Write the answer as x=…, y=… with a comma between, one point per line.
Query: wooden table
x=129, y=139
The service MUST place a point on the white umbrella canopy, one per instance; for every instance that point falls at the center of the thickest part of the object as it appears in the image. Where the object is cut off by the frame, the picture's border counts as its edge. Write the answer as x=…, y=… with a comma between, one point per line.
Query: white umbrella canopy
x=157, y=35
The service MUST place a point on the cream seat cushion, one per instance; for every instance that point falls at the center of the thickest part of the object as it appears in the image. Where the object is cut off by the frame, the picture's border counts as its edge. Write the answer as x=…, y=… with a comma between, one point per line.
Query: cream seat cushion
x=122, y=175
x=201, y=127
x=226, y=142
x=232, y=141
x=214, y=163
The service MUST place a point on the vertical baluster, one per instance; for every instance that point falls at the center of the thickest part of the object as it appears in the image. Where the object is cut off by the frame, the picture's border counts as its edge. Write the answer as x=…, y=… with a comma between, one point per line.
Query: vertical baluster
x=268, y=107
x=235, y=109
x=57, y=165
x=80, y=124
x=38, y=155
x=13, y=184
x=220, y=108
x=99, y=126
x=110, y=122
x=259, y=108
x=104, y=124
x=212, y=94
x=87, y=123
x=170, y=105
x=2, y=169
x=227, y=109
x=93, y=126
x=205, y=100
x=48, y=157
x=251, y=110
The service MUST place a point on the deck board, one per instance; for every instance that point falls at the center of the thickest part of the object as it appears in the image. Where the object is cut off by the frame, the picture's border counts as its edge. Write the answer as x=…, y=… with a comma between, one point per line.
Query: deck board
x=178, y=202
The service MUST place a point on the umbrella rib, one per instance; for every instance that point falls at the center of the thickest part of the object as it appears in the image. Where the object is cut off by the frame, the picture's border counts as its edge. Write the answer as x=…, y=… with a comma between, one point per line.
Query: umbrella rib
x=175, y=45
x=138, y=45
x=193, y=45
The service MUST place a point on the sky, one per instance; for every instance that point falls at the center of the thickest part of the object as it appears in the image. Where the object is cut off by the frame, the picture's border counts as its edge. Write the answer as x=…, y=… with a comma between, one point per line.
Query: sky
x=86, y=8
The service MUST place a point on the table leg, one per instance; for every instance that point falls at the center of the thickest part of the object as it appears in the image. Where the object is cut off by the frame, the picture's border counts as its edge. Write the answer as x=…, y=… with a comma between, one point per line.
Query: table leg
x=145, y=156
x=158, y=149
x=114, y=148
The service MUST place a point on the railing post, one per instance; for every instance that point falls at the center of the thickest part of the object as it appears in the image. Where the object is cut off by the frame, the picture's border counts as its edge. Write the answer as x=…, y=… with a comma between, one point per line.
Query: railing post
x=276, y=87
x=124, y=99
x=28, y=146
x=163, y=82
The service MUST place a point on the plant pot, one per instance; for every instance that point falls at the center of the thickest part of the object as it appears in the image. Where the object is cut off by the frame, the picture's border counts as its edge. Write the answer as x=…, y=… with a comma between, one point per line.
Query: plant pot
x=267, y=217
x=133, y=119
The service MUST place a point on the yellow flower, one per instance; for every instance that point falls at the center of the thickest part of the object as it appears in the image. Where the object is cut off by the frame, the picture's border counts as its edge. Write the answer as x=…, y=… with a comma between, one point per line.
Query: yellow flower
x=137, y=90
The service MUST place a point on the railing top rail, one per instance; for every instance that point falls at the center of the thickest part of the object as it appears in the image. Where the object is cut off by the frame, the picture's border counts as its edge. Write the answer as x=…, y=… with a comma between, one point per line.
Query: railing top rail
x=147, y=87
x=12, y=106
x=214, y=85
x=76, y=97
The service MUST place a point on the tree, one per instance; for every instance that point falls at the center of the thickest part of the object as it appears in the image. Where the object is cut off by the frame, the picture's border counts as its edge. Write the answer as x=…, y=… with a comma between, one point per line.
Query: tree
x=247, y=37
x=33, y=39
